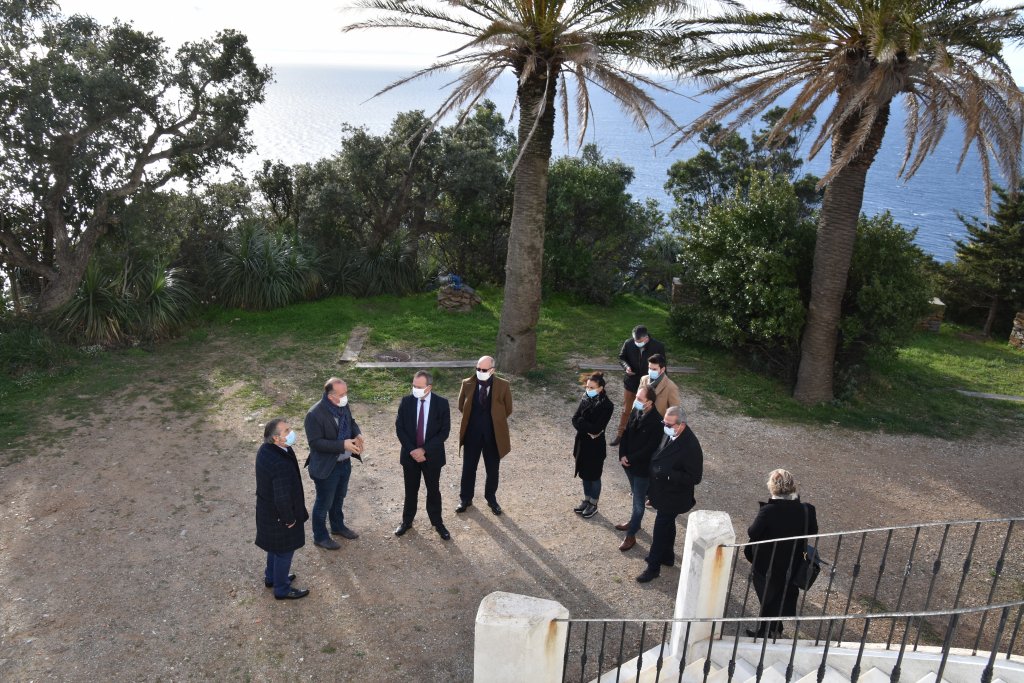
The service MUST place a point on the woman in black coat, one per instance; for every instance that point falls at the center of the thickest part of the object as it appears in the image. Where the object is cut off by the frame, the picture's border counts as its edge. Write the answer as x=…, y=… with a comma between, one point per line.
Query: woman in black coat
x=642, y=437
x=280, y=508
x=590, y=420
x=783, y=516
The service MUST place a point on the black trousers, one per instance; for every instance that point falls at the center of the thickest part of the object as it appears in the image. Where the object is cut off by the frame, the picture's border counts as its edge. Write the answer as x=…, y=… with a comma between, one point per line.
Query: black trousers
x=778, y=599
x=663, y=541
x=473, y=448
x=432, y=477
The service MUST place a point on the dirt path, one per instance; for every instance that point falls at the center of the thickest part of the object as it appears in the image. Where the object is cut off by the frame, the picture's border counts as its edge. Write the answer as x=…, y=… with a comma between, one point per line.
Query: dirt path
x=126, y=544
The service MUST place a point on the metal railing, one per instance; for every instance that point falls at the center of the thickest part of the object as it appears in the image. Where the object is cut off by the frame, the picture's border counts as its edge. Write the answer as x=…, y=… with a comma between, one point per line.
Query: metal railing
x=937, y=566
x=597, y=647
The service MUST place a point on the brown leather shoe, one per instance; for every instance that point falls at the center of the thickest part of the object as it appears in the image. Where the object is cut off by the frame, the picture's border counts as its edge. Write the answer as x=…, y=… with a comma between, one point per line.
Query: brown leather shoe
x=623, y=526
x=627, y=543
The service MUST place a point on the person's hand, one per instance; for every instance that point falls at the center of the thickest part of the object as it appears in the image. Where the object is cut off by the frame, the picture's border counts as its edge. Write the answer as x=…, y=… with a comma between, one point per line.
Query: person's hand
x=352, y=445
x=290, y=525
x=629, y=371
x=360, y=442
x=418, y=454
x=625, y=461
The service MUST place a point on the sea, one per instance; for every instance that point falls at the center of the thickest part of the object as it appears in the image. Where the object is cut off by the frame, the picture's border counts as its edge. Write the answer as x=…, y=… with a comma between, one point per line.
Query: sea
x=306, y=106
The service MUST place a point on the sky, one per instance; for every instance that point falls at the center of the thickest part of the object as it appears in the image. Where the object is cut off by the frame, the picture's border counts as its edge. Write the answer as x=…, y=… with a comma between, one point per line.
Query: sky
x=298, y=32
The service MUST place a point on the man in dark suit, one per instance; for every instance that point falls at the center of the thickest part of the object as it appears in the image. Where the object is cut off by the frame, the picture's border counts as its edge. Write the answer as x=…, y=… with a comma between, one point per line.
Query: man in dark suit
x=422, y=426
x=280, y=508
x=334, y=439
x=633, y=358
x=486, y=402
x=676, y=468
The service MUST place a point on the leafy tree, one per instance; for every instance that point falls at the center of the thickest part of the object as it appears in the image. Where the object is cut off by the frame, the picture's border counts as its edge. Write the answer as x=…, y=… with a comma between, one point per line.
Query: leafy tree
x=276, y=182
x=856, y=57
x=595, y=230
x=92, y=114
x=748, y=262
x=991, y=260
x=543, y=44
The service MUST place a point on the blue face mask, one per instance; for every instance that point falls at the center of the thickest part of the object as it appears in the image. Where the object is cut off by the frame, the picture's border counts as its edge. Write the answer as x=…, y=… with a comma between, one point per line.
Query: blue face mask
x=639, y=344
x=290, y=439
x=591, y=393
x=638, y=405
x=654, y=374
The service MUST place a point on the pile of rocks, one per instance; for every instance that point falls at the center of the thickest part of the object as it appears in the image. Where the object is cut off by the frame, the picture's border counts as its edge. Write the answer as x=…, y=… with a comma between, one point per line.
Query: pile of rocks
x=933, y=321
x=457, y=298
x=1017, y=334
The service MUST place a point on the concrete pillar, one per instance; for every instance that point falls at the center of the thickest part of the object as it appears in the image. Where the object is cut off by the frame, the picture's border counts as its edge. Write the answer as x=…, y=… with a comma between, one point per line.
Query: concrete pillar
x=518, y=640
x=703, y=576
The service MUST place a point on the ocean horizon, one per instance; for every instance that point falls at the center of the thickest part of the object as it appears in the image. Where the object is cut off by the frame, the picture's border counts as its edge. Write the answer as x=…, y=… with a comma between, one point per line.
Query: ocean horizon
x=306, y=106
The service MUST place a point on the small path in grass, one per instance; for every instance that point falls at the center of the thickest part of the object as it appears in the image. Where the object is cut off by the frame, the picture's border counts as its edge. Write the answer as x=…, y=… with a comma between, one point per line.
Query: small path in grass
x=126, y=543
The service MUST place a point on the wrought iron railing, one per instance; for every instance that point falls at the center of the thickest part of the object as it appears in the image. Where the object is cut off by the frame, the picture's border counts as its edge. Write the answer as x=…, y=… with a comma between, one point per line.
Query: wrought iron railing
x=601, y=647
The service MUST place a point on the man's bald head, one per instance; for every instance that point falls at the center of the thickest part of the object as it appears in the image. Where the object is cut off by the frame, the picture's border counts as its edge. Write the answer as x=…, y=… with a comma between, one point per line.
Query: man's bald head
x=485, y=363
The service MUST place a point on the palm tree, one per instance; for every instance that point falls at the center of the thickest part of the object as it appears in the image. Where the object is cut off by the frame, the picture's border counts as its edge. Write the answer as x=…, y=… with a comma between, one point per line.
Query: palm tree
x=544, y=43
x=855, y=57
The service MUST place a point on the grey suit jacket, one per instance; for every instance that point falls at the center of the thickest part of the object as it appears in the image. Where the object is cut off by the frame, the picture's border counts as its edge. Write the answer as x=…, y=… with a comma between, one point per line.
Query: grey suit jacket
x=322, y=435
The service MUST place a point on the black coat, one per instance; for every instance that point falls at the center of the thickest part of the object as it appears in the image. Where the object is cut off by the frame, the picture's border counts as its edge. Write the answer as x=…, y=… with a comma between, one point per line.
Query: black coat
x=439, y=425
x=642, y=437
x=675, y=470
x=279, y=500
x=591, y=417
x=322, y=436
x=779, y=518
x=632, y=357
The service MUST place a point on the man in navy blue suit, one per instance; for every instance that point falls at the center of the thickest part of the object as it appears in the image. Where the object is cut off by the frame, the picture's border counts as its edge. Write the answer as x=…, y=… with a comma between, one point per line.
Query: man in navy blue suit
x=422, y=426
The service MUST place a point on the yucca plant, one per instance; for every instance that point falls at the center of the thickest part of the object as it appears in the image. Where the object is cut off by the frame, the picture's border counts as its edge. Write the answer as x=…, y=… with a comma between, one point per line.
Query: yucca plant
x=163, y=301
x=262, y=270
x=102, y=311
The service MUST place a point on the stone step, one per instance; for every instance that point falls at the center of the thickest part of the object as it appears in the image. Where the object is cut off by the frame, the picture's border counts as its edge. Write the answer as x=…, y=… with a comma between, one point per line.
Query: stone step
x=776, y=673
x=743, y=672
x=694, y=671
x=930, y=678
x=874, y=675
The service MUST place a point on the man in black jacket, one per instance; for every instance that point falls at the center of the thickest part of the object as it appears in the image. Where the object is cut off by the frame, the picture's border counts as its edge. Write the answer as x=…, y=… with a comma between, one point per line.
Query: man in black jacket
x=633, y=358
x=280, y=508
x=676, y=468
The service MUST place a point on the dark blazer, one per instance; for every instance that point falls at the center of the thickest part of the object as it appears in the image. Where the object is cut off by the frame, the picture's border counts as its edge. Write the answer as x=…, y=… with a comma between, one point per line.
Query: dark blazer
x=279, y=500
x=632, y=357
x=322, y=435
x=641, y=438
x=675, y=470
x=779, y=519
x=591, y=417
x=439, y=424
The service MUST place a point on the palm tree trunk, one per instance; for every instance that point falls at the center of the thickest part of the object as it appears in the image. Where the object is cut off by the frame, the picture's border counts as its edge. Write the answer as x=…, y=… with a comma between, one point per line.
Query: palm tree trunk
x=833, y=252
x=517, y=332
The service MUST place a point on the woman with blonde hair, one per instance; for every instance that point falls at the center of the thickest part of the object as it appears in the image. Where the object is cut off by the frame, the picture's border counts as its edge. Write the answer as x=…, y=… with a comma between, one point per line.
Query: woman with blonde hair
x=782, y=516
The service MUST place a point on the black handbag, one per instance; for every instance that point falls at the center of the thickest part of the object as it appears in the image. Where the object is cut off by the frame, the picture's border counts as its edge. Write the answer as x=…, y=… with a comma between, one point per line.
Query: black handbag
x=807, y=568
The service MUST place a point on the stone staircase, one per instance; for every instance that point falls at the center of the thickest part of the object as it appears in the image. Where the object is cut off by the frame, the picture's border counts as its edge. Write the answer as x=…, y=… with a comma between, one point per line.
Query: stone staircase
x=876, y=665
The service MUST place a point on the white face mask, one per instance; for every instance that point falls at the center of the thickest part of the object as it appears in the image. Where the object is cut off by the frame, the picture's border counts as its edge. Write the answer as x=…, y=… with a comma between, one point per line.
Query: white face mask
x=419, y=393
x=483, y=376
x=670, y=431
x=343, y=401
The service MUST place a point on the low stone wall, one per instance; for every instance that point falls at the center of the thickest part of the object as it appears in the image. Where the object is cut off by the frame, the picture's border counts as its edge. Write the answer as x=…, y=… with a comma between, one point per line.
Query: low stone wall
x=458, y=299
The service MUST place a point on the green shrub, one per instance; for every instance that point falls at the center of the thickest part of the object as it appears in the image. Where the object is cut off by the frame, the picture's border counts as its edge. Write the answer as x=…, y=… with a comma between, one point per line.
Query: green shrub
x=261, y=270
x=27, y=348
x=115, y=305
x=746, y=268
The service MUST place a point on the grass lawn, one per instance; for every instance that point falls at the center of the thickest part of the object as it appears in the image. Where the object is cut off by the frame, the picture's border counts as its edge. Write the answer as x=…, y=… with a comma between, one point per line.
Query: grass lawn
x=912, y=392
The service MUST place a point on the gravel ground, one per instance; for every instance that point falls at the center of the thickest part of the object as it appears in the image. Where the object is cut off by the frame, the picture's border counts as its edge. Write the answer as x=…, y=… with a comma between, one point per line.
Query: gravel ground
x=126, y=543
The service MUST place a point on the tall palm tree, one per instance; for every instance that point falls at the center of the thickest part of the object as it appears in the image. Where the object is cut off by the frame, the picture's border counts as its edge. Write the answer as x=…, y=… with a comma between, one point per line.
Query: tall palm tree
x=854, y=57
x=543, y=43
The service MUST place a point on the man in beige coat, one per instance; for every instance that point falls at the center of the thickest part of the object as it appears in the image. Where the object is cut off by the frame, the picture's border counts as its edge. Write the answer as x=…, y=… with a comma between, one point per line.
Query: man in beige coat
x=666, y=393
x=486, y=402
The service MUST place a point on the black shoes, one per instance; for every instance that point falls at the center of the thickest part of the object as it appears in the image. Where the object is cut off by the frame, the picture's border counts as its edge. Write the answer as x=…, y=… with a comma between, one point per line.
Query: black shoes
x=293, y=594
x=463, y=506
x=647, y=575
x=270, y=584
x=581, y=507
x=589, y=511
x=402, y=528
x=327, y=544
x=772, y=633
x=346, y=533
x=442, y=531
x=495, y=508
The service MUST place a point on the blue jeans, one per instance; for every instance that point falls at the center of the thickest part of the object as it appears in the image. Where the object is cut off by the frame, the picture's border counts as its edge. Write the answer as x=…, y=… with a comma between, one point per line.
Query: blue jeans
x=278, y=566
x=592, y=489
x=639, y=486
x=330, y=495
